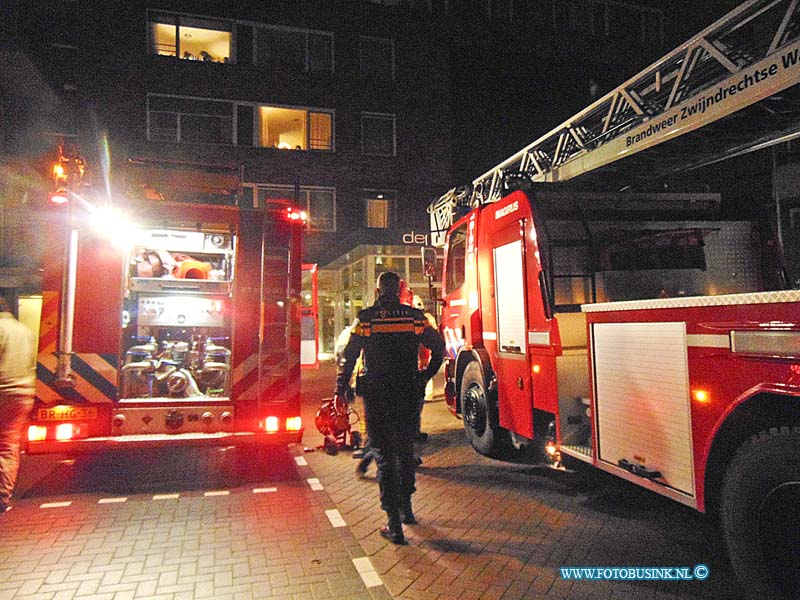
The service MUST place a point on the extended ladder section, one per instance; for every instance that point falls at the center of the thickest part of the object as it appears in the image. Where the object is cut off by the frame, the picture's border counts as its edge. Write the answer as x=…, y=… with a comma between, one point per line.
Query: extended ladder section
x=749, y=55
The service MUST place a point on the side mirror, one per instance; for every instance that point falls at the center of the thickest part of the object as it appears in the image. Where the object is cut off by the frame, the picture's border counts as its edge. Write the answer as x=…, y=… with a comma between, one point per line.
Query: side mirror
x=429, y=261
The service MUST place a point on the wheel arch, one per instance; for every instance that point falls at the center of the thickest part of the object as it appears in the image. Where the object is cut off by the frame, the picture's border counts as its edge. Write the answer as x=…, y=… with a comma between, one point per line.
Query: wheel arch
x=760, y=412
x=464, y=358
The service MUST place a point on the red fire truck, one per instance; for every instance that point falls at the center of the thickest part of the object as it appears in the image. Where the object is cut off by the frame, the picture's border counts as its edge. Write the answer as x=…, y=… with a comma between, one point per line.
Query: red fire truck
x=648, y=349
x=177, y=323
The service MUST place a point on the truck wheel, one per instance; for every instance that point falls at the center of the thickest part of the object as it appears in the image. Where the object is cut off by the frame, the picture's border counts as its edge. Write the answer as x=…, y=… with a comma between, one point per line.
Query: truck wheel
x=480, y=414
x=760, y=514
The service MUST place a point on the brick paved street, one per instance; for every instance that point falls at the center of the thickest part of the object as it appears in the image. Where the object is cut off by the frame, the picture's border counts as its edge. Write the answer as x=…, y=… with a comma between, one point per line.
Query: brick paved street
x=177, y=524
x=492, y=530
x=212, y=523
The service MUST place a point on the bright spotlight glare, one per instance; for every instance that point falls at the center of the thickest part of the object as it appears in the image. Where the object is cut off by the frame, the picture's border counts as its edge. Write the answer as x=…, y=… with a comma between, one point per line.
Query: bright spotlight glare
x=113, y=224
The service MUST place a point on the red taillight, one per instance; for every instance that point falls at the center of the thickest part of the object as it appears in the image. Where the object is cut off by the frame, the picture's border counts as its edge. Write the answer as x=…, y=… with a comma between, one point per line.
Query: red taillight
x=271, y=424
x=62, y=432
x=296, y=216
x=37, y=433
x=294, y=424
x=65, y=431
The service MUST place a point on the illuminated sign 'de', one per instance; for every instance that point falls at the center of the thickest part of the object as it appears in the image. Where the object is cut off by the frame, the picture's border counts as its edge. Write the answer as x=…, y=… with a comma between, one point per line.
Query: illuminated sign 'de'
x=415, y=238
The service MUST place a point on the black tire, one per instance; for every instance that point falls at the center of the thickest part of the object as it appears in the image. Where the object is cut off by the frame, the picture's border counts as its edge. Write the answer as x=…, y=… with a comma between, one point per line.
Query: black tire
x=760, y=514
x=479, y=414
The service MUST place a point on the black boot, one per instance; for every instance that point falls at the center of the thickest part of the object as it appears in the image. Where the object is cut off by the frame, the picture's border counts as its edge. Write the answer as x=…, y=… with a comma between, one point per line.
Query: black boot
x=393, y=530
x=406, y=513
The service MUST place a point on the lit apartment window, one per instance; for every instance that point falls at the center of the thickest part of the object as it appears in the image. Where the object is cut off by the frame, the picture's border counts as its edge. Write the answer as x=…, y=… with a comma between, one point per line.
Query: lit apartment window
x=190, y=120
x=190, y=38
x=376, y=58
x=318, y=202
x=378, y=134
x=378, y=208
x=294, y=128
x=296, y=49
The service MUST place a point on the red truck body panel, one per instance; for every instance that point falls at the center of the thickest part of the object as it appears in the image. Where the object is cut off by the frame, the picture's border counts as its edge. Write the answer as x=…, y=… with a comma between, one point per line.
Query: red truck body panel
x=588, y=371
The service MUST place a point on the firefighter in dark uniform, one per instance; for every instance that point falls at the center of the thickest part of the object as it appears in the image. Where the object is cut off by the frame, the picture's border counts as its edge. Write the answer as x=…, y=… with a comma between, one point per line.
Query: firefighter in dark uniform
x=389, y=333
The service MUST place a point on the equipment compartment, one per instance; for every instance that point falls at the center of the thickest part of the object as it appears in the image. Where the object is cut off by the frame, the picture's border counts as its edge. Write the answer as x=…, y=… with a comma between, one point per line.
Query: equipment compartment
x=177, y=318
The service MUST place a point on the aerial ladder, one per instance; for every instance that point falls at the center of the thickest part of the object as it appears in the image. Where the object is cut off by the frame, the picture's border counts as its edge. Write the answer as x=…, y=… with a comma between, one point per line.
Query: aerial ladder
x=750, y=55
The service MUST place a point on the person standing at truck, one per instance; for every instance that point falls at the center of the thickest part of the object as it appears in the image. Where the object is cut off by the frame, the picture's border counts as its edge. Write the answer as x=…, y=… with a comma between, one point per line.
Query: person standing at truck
x=389, y=334
x=426, y=393
x=17, y=380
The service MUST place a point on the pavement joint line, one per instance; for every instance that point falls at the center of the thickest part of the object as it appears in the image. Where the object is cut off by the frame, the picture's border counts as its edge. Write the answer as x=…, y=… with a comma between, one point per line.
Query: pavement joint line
x=315, y=484
x=367, y=572
x=55, y=504
x=112, y=500
x=301, y=461
x=264, y=490
x=217, y=493
x=166, y=496
x=335, y=517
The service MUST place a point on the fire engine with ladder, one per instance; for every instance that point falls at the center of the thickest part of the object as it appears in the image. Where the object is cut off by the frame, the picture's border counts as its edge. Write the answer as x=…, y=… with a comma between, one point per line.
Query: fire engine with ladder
x=172, y=323
x=649, y=346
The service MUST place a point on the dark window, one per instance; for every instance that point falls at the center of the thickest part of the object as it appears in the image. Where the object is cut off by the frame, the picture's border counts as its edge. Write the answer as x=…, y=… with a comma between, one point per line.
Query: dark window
x=456, y=259
x=625, y=23
x=377, y=58
x=378, y=134
x=244, y=125
x=321, y=209
x=320, y=52
x=281, y=48
x=164, y=126
x=294, y=49
x=244, y=44
x=319, y=203
x=645, y=250
x=177, y=119
x=205, y=129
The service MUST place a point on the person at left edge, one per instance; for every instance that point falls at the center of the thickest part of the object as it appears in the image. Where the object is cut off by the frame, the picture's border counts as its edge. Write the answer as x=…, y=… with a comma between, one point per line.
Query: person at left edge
x=17, y=381
x=389, y=334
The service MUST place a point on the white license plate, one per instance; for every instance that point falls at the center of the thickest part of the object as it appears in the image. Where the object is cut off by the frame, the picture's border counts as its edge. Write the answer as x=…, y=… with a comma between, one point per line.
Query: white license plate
x=67, y=413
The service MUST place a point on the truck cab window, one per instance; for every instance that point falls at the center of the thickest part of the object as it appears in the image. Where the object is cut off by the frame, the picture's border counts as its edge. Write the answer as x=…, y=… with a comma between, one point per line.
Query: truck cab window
x=456, y=258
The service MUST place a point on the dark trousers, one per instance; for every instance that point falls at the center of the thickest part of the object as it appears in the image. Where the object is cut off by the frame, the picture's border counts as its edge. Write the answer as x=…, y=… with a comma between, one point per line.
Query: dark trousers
x=391, y=425
x=420, y=406
x=394, y=457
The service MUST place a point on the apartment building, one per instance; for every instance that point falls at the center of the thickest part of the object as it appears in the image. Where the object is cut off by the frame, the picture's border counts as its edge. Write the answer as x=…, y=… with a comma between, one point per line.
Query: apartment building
x=356, y=110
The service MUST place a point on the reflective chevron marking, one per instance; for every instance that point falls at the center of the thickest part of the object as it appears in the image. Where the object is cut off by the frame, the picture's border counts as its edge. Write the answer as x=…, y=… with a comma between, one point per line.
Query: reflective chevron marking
x=276, y=374
x=48, y=322
x=93, y=376
x=44, y=381
x=244, y=368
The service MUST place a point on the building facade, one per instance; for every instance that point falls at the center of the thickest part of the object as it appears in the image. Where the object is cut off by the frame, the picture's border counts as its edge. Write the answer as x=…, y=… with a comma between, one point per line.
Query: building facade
x=343, y=108
x=358, y=111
